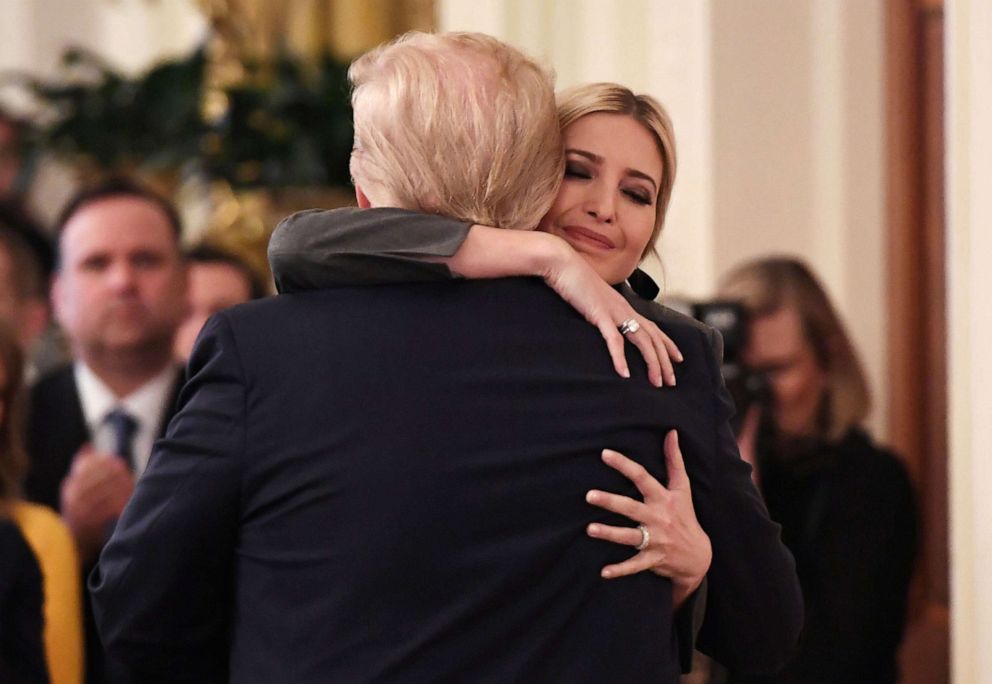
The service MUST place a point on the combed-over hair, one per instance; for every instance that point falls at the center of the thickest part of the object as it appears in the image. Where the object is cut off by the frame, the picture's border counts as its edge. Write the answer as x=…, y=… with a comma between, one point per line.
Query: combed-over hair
x=458, y=124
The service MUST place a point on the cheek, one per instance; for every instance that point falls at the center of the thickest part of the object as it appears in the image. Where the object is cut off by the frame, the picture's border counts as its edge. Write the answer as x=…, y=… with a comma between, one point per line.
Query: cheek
x=797, y=384
x=164, y=286
x=568, y=198
x=787, y=386
x=639, y=233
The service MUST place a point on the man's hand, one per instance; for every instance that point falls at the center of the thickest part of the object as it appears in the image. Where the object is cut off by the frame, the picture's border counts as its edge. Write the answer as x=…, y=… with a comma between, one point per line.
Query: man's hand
x=94, y=494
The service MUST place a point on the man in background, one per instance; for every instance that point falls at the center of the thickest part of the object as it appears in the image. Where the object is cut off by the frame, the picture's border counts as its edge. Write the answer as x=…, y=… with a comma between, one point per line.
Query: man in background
x=11, y=159
x=23, y=278
x=217, y=279
x=119, y=294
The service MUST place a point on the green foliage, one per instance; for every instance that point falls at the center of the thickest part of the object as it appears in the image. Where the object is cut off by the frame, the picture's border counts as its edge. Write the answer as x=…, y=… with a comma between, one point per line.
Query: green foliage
x=289, y=124
x=293, y=130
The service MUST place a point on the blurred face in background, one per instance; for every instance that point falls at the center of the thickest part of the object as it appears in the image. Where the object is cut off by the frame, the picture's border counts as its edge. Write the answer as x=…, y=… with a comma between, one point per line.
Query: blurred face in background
x=213, y=286
x=606, y=208
x=777, y=347
x=10, y=162
x=3, y=393
x=28, y=316
x=122, y=286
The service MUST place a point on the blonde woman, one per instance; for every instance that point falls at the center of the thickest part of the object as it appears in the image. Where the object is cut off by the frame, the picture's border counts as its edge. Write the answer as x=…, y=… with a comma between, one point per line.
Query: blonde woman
x=619, y=171
x=846, y=505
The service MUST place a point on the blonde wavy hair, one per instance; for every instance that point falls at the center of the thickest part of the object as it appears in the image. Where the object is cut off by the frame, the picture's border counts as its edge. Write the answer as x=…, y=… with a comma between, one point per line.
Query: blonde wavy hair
x=766, y=285
x=458, y=124
x=613, y=98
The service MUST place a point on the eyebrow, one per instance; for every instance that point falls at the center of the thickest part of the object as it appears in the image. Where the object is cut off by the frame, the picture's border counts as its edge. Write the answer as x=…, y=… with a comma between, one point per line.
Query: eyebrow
x=595, y=158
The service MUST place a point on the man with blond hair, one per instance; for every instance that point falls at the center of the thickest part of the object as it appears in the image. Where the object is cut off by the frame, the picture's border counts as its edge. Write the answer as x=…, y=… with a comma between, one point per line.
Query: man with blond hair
x=387, y=484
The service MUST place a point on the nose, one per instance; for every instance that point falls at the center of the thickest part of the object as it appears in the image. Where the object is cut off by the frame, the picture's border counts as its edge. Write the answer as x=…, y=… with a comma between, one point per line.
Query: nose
x=121, y=277
x=601, y=204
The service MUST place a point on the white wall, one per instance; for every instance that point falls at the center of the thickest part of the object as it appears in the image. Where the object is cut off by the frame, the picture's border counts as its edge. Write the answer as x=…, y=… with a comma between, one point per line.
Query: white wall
x=131, y=34
x=969, y=203
x=798, y=132
x=778, y=108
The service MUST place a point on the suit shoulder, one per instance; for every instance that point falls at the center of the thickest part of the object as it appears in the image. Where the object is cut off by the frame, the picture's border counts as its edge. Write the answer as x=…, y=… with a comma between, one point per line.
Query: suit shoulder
x=56, y=380
x=875, y=460
x=677, y=325
x=52, y=390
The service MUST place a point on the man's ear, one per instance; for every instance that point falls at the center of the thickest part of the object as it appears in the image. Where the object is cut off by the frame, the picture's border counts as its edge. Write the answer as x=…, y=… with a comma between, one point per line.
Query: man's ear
x=363, y=201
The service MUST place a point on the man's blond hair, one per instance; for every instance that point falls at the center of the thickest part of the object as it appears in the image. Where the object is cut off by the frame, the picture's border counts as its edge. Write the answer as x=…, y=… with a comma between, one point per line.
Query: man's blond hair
x=458, y=124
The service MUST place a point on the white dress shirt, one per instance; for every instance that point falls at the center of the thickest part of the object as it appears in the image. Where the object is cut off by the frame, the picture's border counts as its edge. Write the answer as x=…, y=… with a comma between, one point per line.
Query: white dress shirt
x=147, y=405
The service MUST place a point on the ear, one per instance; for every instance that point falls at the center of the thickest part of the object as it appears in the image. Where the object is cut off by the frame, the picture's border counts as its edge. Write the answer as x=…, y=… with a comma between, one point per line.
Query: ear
x=363, y=201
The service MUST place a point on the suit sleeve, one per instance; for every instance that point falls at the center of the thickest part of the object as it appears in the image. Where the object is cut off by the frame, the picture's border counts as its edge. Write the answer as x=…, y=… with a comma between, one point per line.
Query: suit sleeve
x=162, y=589
x=317, y=249
x=754, y=607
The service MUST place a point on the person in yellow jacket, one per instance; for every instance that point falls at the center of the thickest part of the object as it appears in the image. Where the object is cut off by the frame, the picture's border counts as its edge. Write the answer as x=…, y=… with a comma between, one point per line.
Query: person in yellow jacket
x=46, y=536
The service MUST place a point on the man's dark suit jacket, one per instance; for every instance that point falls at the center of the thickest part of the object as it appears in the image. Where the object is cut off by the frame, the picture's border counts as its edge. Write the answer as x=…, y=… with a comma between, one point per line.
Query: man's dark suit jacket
x=388, y=484
x=56, y=430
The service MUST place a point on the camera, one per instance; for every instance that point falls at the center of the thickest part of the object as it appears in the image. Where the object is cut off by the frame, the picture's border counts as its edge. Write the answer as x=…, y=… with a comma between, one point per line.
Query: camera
x=746, y=386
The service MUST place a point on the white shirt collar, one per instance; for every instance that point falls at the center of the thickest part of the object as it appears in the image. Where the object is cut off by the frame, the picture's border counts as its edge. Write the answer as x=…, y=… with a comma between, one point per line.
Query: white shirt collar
x=147, y=405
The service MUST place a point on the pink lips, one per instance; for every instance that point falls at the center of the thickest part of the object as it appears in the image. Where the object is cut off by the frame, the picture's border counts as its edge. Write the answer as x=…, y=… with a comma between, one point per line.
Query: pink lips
x=589, y=237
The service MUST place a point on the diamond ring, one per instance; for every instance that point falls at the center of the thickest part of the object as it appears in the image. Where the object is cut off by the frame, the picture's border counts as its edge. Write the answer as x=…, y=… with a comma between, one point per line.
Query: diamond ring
x=629, y=326
x=645, y=537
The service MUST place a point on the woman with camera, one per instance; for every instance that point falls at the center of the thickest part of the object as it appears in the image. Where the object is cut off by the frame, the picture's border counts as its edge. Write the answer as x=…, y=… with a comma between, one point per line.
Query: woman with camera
x=846, y=505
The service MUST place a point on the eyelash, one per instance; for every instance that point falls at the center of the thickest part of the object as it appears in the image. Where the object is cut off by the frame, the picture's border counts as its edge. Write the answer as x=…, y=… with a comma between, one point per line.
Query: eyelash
x=576, y=172
x=637, y=197
x=572, y=171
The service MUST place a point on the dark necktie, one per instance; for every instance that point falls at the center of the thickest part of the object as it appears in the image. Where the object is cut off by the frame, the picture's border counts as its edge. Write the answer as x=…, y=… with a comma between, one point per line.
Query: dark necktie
x=124, y=426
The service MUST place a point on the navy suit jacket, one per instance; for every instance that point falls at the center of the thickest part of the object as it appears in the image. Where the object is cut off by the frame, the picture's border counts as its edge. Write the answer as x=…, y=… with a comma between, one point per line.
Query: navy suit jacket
x=387, y=484
x=55, y=432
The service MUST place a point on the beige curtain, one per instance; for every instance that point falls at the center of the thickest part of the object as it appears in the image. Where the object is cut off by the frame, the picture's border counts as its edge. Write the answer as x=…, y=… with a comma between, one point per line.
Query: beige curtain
x=346, y=28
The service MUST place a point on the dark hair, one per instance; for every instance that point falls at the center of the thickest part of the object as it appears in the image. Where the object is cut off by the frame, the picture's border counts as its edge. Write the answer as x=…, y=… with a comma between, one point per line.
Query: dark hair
x=118, y=187
x=28, y=248
x=13, y=458
x=206, y=253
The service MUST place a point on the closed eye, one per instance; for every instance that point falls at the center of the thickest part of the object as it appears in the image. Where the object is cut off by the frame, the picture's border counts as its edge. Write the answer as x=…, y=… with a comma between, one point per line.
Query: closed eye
x=577, y=171
x=639, y=197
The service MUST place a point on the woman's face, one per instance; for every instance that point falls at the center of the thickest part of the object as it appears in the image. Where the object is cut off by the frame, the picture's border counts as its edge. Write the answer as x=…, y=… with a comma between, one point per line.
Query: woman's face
x=607, y=203
x=3, y=392
x=778, y=347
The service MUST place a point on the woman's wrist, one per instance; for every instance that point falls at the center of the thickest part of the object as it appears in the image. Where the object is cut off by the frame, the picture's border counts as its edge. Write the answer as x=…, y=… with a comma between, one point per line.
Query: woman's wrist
x=551, y=256
x=489, y=252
